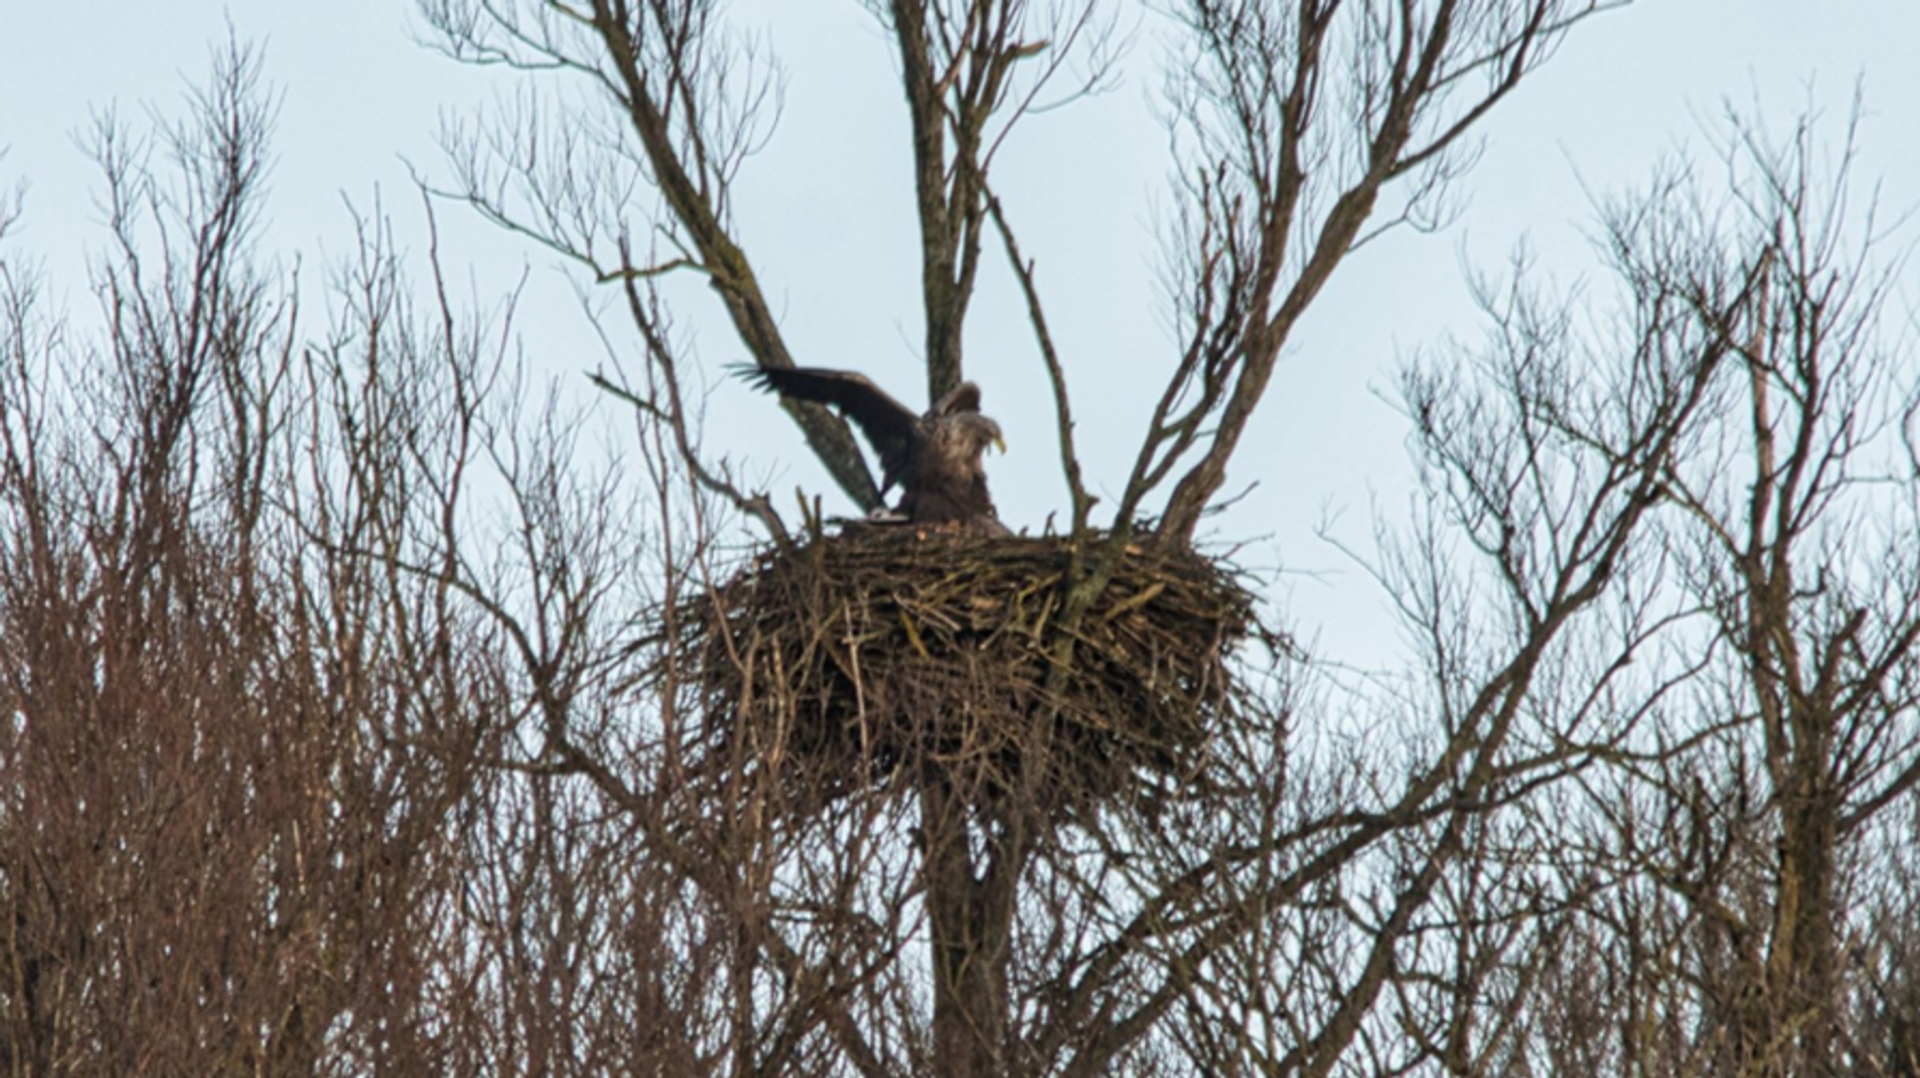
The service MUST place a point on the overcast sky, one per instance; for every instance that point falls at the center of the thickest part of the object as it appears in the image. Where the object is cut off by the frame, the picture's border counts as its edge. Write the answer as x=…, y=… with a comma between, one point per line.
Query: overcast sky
x=825, y=211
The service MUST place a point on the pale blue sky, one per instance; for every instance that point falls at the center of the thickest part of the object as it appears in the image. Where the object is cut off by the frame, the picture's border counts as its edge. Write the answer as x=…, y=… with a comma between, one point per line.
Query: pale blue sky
x=825, y=212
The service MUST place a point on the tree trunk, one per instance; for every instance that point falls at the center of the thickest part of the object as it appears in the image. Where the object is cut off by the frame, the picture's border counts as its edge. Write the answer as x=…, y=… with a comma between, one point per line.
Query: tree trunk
x=970, y=919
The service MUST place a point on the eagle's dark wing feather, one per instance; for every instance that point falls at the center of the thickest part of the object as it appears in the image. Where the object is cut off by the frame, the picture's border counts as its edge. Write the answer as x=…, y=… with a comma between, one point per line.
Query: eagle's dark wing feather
x=964, y=397
x=891, y=427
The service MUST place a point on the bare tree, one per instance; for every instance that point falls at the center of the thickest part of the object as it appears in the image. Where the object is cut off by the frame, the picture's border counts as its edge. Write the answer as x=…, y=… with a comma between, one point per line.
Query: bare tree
x=206, y=866
x=1309, y=130
x=1297, y=123
x=361, y=701
x=679, y=100
x=1764, y=840
x=1726, y=891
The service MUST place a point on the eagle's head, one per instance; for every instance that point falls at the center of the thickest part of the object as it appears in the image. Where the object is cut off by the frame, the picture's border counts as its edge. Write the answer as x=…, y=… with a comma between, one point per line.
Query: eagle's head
x=977, y=432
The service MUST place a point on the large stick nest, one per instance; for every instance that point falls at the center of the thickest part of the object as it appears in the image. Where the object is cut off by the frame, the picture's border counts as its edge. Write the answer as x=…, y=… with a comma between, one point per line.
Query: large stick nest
x=850, y=660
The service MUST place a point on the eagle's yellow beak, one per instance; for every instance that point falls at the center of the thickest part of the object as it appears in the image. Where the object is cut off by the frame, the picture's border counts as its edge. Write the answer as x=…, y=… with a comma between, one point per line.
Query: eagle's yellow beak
x=1000, y=443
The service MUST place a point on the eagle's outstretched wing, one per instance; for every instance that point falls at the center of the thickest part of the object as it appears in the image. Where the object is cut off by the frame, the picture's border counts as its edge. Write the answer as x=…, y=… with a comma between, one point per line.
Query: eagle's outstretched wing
x=891, y=427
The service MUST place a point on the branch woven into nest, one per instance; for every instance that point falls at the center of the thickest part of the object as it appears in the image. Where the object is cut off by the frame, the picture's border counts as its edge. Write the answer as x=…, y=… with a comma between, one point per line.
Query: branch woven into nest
x=848, y=660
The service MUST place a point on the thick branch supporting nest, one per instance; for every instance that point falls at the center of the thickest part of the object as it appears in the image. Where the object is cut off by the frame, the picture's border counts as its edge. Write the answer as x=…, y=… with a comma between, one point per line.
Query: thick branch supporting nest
x=845, y=662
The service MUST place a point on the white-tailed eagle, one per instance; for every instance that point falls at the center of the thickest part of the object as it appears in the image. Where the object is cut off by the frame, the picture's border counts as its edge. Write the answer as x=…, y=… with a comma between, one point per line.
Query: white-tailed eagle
x=933, y=458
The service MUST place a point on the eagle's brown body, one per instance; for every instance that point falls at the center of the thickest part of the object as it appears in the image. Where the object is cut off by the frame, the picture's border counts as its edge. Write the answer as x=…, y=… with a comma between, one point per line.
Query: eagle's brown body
x=934, y=458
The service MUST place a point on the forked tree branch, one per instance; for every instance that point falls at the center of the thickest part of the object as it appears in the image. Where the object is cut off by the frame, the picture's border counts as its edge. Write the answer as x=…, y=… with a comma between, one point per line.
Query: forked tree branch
x=1273, y=151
